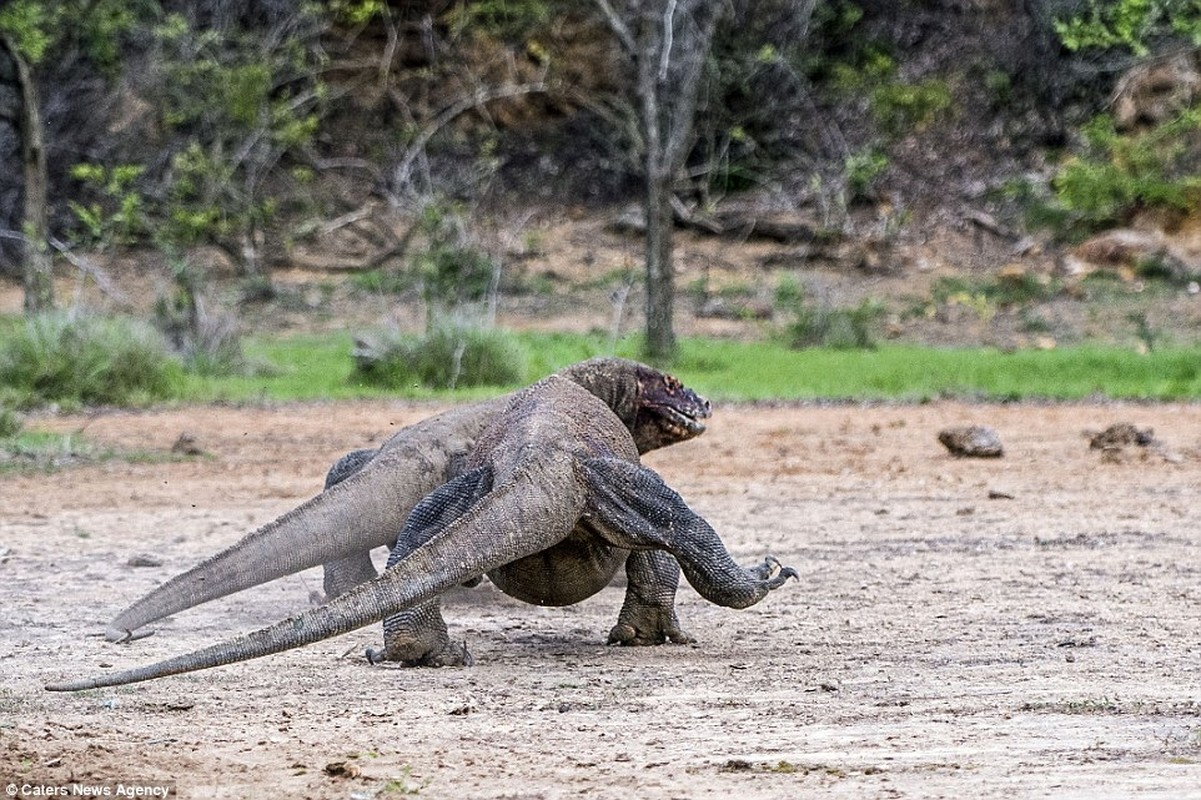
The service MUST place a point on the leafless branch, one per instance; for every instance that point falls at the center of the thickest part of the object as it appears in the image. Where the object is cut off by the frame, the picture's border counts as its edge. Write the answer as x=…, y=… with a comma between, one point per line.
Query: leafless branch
x=620, y=29
x=485, y=94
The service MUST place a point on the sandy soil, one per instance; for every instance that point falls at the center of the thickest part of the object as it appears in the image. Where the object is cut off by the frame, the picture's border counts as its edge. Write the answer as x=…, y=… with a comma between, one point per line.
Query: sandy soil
x=1021, y=627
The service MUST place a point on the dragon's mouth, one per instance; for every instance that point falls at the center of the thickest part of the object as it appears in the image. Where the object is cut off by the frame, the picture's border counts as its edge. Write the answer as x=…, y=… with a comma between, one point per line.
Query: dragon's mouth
x=680, y=423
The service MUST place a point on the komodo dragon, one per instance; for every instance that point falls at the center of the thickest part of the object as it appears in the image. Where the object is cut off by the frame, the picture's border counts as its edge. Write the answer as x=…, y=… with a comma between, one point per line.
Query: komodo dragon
x=552, y=501
x=340, y=526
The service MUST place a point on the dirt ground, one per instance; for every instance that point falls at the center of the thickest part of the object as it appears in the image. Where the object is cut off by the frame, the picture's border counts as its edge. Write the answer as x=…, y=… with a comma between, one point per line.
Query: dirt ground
x=1028, y=626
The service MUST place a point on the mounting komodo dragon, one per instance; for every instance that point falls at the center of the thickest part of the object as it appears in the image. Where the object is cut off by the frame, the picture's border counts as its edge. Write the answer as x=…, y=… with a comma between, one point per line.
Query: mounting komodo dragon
x=370, y=493
x=551, y=502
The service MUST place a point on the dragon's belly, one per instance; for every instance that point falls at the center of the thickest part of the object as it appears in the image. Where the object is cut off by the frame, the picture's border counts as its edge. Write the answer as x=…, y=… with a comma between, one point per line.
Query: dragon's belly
x=570, y=571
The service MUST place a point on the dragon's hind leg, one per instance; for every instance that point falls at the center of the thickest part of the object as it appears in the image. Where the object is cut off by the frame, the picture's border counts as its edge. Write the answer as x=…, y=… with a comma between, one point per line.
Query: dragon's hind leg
x=343, y=574
x=417, y=637
x=632, y=507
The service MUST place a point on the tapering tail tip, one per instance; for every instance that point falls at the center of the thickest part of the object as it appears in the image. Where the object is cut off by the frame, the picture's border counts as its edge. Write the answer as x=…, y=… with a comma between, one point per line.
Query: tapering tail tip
x=115, y=634
x=74, y=686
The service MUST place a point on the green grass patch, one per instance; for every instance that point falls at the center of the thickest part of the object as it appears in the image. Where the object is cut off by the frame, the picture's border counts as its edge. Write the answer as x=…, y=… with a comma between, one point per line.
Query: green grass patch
x=313, y=367
x=45, y=452
x=320, y=367
x=734, y=372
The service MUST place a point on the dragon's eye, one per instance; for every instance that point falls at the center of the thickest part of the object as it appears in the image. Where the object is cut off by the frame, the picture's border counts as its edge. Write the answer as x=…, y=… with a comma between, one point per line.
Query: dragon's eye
x=672, y=384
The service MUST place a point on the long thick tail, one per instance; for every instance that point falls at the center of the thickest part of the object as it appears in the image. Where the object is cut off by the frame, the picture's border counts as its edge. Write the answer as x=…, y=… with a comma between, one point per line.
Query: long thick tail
x=508, y=524
x=365, y=511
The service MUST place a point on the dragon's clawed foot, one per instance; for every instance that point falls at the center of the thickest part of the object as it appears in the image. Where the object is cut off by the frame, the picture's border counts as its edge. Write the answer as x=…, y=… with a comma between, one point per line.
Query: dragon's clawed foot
x=773, y=573
x=629, y=636
x=450, y=655
x=644, y=625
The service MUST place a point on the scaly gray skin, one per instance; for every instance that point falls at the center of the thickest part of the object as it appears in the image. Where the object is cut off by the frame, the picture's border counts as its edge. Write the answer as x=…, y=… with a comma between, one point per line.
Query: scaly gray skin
x=340, y=526
x=552, y=501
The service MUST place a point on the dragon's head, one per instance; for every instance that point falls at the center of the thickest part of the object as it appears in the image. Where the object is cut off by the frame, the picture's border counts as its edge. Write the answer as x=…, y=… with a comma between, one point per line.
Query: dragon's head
x=655, y=406
x=668, y=411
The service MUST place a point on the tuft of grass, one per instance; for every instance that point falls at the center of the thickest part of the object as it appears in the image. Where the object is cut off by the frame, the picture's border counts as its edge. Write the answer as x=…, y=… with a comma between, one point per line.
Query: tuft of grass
x=11, y=423
x=816, y=324
x=446, y=357
x=45, y=452
x=76, y=360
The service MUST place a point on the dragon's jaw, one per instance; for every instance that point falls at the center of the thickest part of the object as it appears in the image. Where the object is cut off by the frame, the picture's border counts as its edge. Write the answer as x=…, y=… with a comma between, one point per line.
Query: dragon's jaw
x=680, y=425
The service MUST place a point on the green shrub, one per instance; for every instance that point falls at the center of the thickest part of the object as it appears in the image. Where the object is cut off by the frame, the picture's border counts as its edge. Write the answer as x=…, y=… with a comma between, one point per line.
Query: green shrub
x=383, y=281
x=10, y=423
x=446, y=357
x=1008, y=291
x=85, y=360
x=1120, y=173
x=822, y=325
x=862, y=169
x=901, y=108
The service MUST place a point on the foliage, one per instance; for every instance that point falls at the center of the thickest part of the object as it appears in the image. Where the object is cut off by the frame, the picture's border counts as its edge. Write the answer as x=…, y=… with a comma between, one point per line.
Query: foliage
x=758, y=52
x=821, y=325
x=1130, y=24
x=120, y=218
x=455, y=272
x=237, y=99
x=98, y=27
x=901, y=108
x=11, y=423
x=1120, y=173
x=446, y=357
x=862, y=170
x=383, y=281
x=85, y=360
x=1003, y=290
x=227, y=100
x=504, y=19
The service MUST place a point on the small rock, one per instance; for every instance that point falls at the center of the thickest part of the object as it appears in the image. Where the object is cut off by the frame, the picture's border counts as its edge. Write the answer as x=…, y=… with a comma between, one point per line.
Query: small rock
x=144, y=560
x=342, y=769
x=186, y=445
x=1120, y=435
x=972, y=441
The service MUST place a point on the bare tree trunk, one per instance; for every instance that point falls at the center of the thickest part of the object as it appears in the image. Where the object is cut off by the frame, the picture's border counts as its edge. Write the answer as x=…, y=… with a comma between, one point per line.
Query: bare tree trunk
x=669, y=42
x=658, y=174
x=38, y=278
x=660, y=280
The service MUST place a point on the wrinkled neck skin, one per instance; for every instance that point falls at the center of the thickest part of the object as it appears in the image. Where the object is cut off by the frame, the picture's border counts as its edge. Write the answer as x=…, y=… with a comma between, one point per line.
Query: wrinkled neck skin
x=614, y=381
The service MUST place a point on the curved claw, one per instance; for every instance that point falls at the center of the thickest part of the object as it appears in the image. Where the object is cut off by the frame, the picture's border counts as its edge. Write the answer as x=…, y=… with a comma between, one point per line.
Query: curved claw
x=782, y=577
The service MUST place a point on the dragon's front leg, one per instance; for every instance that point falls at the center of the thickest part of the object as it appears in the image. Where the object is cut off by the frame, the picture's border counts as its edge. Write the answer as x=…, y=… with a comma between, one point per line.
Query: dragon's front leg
x=632, y=507
x=648, y=615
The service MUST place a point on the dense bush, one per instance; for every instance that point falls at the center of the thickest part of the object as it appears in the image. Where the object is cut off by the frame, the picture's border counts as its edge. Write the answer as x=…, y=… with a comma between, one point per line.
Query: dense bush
x=84, y=360
x=446, y=357
x=1121, y=173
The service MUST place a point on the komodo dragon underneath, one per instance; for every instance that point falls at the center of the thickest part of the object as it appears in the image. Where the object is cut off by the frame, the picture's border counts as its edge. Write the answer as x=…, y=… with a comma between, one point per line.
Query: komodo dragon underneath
x=370, y=493
x=551, y=502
